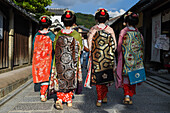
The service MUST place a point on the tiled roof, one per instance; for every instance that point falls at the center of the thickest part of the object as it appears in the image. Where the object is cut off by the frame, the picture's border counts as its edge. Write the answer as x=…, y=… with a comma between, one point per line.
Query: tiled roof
x=21, y=10
x=57, y=11
x=112, y=20
x=137, y=7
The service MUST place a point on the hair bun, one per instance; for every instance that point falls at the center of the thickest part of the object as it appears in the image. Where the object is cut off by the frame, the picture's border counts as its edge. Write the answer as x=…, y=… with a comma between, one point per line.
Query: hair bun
x=68, y=18
x=45, y=20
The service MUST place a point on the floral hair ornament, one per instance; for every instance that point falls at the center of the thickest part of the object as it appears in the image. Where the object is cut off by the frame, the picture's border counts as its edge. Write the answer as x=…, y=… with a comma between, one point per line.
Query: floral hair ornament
x=135, y=15
x=102, y=11
x=69, y=11
x=43, y=18
x=129, y=13
x=68, y=14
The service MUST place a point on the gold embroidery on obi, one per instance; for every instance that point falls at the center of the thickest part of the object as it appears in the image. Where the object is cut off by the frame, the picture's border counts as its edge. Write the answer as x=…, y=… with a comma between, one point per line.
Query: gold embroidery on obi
x=102, y=51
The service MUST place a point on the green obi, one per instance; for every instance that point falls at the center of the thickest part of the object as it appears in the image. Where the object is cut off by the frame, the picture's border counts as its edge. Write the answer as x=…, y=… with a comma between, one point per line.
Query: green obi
x=132, y=48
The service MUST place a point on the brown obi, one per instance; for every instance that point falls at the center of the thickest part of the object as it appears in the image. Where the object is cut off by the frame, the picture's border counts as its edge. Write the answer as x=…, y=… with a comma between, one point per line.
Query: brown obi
x=66, y=56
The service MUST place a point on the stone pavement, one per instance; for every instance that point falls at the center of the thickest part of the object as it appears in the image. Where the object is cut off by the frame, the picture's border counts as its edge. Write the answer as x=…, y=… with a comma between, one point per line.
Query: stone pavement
x=147, y=100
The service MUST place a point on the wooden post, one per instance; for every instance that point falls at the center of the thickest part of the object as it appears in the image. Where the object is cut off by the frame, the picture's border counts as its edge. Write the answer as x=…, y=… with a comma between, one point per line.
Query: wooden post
x=147, y=34
x=30, y=43
x=11, y=37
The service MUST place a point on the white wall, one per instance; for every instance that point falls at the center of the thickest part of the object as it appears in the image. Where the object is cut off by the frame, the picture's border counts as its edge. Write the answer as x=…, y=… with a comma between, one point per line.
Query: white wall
x=53, y=18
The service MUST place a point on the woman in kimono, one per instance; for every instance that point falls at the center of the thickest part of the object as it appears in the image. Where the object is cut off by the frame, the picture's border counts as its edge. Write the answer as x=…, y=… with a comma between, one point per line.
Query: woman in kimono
x=67, y=45
x=102, y=46
x=130, y=55
x=42, y=56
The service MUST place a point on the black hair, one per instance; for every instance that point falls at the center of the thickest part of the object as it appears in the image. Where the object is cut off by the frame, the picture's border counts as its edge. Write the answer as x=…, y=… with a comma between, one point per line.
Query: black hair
x=132, y=19
x=102, y=16
x=44, y=22
x=68, y=18
x=85, y=36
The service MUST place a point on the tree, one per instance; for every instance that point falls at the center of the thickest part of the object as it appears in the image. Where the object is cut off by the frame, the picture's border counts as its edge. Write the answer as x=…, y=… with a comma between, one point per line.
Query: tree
x=85, y=19
x=36, y=7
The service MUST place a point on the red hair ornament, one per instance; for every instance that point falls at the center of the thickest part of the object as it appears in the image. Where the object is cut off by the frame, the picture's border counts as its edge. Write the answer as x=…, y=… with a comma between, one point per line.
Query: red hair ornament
x=102, y=12
x=68, y=14
x=43, y=19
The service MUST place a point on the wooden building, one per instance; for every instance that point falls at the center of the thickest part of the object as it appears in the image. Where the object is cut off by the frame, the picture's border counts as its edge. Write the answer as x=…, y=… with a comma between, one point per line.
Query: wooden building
x=82, y=30
x=17, y=28
x=154, y=22
x=57, y=13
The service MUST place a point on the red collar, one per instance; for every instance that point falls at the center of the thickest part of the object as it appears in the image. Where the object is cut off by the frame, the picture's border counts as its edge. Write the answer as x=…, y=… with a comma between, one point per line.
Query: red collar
x=103, y=28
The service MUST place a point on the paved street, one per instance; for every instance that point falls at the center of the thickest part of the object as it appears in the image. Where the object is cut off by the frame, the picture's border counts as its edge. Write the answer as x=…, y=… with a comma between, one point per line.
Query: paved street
x=147, y=100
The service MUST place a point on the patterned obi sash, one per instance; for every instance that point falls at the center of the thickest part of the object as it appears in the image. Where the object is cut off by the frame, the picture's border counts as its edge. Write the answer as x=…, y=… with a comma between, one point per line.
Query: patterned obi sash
x=103, y=48
x=42, y=58
x=102, y=51
x=66, y=57
x=132, y=48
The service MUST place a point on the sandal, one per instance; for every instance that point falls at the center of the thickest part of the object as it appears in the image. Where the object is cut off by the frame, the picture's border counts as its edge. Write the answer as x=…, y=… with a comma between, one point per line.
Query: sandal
x=69, y=104
x=98, y=104
x=104, y=100
x=44, y=98
x=127, y=100
x=59, y=105
x=130, y=102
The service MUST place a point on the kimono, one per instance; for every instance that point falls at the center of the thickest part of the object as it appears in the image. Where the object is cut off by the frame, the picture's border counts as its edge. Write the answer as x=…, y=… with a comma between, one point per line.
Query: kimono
x=130, y=55
x=42, y=58
x=102, y=45
x=67, y=48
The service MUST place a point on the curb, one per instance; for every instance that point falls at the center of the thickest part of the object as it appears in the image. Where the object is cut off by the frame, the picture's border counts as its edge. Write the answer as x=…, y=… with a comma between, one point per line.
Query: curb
x=12, y=94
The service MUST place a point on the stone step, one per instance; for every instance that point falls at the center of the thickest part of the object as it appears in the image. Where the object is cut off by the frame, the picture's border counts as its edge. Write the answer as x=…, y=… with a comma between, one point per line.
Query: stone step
x=160, y=75
x=158, y=85
x=162, y=80
x=36, y=98
x=165, y=76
